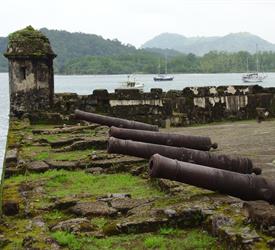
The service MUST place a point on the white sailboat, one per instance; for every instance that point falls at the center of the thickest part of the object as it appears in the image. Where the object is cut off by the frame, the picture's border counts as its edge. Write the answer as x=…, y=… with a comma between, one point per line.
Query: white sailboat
x=163, y=77
x=254, y=77
x=131, y=83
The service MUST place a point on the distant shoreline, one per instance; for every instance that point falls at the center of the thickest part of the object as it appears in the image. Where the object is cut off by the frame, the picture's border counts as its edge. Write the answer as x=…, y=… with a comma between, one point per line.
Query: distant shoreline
x=178, y=73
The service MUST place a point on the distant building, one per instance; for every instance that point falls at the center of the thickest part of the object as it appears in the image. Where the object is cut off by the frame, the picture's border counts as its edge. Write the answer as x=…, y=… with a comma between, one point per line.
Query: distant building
x=30, y=71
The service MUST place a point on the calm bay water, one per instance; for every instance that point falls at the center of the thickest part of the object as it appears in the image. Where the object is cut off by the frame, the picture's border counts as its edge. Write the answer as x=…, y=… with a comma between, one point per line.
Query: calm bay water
x=4, y=116
x=85, y=84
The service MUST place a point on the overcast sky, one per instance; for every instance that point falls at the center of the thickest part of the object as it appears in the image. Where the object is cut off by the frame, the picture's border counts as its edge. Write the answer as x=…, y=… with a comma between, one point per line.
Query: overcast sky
x=136, y=21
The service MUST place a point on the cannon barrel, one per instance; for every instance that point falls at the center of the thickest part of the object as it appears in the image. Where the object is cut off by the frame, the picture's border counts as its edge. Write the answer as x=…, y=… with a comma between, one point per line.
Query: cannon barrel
x=146, y=150
x=170, y=139
x=246, y=187
x=113, y=121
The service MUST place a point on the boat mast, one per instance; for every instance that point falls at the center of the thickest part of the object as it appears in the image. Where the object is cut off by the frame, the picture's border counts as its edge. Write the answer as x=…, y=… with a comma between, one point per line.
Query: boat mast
x=257, y=60
x=165, y=64
x=159, y=66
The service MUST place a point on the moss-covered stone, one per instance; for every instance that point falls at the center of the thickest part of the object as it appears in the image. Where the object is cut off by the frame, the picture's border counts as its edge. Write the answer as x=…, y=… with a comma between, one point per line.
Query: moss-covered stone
x=29, y=42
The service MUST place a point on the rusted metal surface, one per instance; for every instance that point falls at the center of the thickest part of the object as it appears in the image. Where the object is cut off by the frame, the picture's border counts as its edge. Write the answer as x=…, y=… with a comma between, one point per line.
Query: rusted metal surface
x=146, y=150
x=113, y=121
x=169, y=139
x=246, y=187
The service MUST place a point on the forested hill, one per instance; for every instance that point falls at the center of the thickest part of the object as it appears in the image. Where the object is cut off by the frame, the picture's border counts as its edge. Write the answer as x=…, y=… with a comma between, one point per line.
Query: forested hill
x=80, y=53
x=69, y=46
x=233, y=42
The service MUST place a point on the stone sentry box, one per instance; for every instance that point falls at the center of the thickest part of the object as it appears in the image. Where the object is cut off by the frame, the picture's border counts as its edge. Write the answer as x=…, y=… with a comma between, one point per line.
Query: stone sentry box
x=31, y=78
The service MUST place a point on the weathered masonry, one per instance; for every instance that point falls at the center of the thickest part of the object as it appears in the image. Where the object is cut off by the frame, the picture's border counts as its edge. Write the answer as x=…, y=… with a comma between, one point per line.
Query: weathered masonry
x=174, y=108
x=30, y=71
x=31, y=80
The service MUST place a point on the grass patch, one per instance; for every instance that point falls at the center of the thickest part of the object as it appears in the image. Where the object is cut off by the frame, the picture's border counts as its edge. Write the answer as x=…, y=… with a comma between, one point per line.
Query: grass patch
x=54, y=215
x=52, y=138
x=154, y=242
x=35, y=152
x=197, y=239
x=40, y=153
x=100, y=222
x=65, y=183
x=71, y=156
x=67, y=240
x=193, y=239
x=168, y=231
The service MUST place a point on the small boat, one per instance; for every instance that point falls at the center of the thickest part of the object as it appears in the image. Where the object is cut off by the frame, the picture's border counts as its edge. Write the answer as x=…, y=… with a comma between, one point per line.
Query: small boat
x=131, y=84
x=254, y=77
x=163, y=77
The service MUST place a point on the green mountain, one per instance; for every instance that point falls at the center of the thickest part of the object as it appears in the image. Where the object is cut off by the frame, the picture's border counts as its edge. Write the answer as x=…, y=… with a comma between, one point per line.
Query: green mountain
x=69, y=46
x=80, y=53
x=234, y=42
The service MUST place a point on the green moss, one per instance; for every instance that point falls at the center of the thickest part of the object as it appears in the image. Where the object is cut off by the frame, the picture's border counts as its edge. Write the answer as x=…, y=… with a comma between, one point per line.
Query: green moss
x=29, y=42
x=14, y=139
x=46, y=153
x=167, y=201
x=11, y=193
x=20, y=229
x=55, y=216
x=35, y=152
x=100, y=222
x=71, y=155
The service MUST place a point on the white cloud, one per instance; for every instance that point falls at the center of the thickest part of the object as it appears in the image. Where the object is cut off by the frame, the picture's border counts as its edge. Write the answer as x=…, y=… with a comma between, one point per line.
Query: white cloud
x=135, y=21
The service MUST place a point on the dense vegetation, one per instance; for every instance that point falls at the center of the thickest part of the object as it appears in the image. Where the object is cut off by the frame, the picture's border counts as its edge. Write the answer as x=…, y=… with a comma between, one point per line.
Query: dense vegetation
x=80, y=53
x=212, y=62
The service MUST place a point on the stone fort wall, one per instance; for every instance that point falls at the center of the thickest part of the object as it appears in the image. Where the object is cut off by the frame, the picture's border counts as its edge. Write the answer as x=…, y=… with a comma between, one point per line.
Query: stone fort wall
x=173, y=108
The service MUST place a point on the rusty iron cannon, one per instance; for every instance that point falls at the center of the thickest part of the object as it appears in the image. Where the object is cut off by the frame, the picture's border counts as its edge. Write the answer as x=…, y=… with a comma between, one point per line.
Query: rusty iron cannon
x=146, y=150
x=246, y=187
x=113, y=121
x=170, y=139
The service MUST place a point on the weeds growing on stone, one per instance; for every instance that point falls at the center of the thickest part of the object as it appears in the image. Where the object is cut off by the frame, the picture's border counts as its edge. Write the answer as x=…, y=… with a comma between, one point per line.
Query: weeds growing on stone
x=168, y=231
x=40, y=153
x=154, y=242
x=183, y=240
x=65, y=183
x=66, y=239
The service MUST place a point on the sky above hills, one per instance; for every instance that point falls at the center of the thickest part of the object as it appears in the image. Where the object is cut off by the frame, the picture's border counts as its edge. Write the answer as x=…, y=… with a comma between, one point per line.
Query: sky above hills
x=136, y=21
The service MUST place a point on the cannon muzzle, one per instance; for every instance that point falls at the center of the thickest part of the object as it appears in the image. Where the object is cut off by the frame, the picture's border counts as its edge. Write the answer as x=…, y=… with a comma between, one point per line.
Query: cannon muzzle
x=146, y=150
x=169, y=139
x=246, y=187
x=113, y=121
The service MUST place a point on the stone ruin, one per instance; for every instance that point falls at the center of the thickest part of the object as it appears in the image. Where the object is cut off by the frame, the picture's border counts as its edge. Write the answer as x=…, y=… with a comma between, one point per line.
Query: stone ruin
x=32, y=93
x=30, y=71
x=32, y=96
